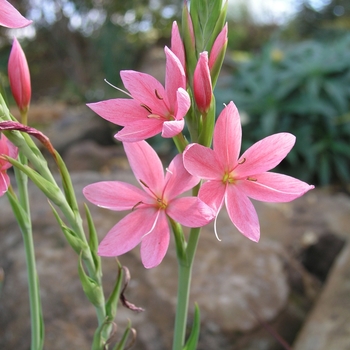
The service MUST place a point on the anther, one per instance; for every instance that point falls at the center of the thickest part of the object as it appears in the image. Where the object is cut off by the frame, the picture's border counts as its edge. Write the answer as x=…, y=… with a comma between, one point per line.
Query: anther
x=143, y=183
x=242, y=161
x=251, y=178
x=146, y=108
x=136, y=205
x=157, y=94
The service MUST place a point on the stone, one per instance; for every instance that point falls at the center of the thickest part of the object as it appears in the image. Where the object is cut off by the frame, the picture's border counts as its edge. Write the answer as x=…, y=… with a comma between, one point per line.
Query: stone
x=327, y=326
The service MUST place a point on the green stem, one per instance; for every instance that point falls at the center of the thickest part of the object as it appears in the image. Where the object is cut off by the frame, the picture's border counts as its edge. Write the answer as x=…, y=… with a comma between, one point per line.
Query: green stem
x=184, y=284
x=37, y=324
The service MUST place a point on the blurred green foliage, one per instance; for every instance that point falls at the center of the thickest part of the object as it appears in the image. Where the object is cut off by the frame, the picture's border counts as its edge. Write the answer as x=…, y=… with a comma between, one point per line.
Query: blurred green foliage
x=304, y=89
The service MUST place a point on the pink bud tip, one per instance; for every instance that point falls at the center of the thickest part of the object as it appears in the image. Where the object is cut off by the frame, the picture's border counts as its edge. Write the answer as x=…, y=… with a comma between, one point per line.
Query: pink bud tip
x=202, y=86
x=19, y=76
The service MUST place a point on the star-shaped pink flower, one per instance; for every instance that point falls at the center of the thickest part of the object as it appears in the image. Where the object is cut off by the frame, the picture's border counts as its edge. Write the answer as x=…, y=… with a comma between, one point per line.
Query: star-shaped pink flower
x=147, y=223
x=153, y=109
x=232, y=179
x=8, y=149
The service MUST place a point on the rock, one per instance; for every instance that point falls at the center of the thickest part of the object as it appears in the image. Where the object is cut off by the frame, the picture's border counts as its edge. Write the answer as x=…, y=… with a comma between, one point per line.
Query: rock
x=241, y=287
x=76, y=125
x=327, y=326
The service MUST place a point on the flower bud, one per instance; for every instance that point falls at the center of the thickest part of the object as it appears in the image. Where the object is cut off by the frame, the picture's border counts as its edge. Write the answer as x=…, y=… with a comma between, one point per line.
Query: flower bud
x=202, y=87
x=177, y=45
x=10, y=17
x=217, y=54
x=19, y=77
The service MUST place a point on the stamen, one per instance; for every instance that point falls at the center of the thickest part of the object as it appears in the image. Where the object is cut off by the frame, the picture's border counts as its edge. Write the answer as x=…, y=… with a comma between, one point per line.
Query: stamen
x=252, y=178
x=157, y=94
x=169, y=171
x=148, y=109
x=113, y=86
x=216, y=232
x=137, y=204
x=242, y=161
x=153, y=226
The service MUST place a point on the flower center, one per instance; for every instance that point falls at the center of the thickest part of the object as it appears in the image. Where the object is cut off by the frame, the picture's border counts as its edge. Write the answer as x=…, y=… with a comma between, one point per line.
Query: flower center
x=230, y=177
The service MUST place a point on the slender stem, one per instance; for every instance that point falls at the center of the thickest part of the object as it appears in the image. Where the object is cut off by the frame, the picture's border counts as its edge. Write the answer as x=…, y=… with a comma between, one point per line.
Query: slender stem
x=37, y=332
x=183, y=292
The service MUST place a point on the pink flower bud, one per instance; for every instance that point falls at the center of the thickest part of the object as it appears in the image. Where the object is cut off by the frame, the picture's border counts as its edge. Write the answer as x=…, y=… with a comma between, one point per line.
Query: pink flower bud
x=10, y=17
x=202, y=86
x=177, y=45
x=19, y=76
x=219, y=47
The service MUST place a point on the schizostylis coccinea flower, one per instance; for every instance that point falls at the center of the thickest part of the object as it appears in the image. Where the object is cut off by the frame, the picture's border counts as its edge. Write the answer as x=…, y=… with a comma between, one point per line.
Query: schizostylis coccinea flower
x=7, y=149
x=152, y=109
x=233, y=179
x=150, y=206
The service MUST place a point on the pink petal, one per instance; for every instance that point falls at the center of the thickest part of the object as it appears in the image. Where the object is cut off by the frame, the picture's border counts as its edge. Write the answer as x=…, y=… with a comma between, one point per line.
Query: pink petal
x=273, y=187
x=146, y=90
x=140, y=130
x=177, y=179
x=10, y=17
x=172, y=128
x=128, y=232
x=202, y=162
x=115, y=195
x=202, y=88
x=4, y=182
x=265, y=154
x=219, y=44
x=146, y=165
x=213, y=194
x=228, y=136
x=242, y=213
x=177, y=45
x=155, y=245
x=8, y=149
x=175, y=78
x=190, y=211
x=120, y=111
x=183, y=104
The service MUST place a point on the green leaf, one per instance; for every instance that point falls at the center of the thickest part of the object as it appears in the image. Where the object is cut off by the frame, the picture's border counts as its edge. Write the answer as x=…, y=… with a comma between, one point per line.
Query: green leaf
x=48, y=188
x=192, y=341
x=91, y=288
x=112, y=302
x=122, y=345
x=204, y=15
x=93, y=241
x=74, y=241
x=67, y=183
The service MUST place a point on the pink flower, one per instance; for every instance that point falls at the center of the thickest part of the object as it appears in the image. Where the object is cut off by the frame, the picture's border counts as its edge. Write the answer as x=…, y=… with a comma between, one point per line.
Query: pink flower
x=19, y=76
x=232, y=179
x=10, y=17
x=8, y=149
x=153, y=108
x=147, y=223
x=202, y=87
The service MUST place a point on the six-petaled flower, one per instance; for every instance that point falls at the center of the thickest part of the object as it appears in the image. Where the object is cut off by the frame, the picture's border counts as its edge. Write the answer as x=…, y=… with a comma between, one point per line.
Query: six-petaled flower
x=232, y=179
